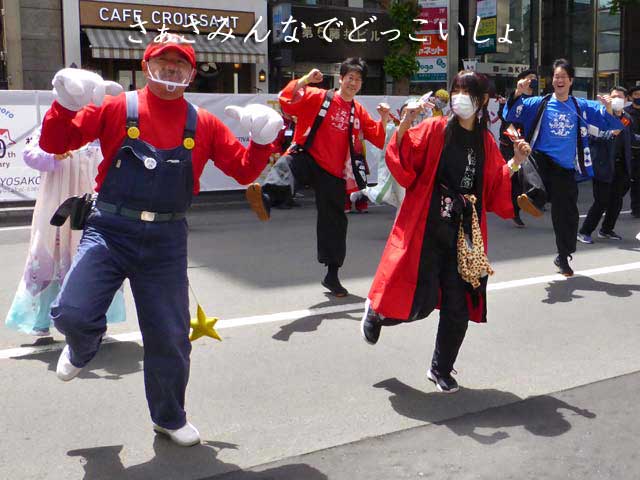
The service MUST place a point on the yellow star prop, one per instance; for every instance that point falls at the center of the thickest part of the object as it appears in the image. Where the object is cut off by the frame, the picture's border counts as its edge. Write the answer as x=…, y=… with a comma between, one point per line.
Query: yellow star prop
x=203, y=326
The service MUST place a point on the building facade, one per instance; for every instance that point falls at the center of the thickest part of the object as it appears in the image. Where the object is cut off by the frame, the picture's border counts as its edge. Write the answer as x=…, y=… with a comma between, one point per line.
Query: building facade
x=38, y=37
x=582, y=31
x=324, y=34
x=109, y=37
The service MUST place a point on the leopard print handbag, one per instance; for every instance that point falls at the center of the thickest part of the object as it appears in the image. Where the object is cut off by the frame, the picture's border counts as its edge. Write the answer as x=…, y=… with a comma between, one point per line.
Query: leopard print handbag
x=473, y=263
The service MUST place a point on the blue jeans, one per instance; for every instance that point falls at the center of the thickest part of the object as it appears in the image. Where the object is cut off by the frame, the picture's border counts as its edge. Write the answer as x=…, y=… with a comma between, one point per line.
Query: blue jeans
x=153, y=256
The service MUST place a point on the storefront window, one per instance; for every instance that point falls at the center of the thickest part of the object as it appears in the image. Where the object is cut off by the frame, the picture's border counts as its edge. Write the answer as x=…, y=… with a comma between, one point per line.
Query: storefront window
x=520, y=19
x=608, y=47
x=567, y=32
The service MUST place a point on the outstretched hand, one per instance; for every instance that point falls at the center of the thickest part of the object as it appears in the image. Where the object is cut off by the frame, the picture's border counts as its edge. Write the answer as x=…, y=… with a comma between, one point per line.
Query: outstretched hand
x=262, y=123
x=74, y=88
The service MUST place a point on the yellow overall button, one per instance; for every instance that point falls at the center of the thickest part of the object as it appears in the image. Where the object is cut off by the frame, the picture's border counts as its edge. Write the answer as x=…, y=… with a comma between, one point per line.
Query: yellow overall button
x=133, y=132
x=189, y=143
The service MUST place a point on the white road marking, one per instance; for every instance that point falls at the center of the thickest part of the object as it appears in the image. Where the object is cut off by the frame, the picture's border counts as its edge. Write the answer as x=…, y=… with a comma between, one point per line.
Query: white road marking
x=8, y=229
x=298, y=314
x=622, y=212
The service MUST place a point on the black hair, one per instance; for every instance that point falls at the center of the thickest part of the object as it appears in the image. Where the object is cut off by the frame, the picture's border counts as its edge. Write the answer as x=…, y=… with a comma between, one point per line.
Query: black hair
x=354, y=64
x=566, y=66
x=524, y=74
x=477, y=86
x=633, y=89
x=620, y=88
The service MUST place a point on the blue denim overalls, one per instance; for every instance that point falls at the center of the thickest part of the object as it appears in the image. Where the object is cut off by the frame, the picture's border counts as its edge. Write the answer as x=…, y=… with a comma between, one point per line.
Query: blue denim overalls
x=137, y=230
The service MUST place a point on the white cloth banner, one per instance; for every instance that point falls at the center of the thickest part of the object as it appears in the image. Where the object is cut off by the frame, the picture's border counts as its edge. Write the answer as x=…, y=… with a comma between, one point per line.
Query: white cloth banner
x=22, y=111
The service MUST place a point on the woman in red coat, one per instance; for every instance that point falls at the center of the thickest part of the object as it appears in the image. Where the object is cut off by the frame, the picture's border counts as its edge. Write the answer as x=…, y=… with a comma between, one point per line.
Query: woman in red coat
x=441, y=162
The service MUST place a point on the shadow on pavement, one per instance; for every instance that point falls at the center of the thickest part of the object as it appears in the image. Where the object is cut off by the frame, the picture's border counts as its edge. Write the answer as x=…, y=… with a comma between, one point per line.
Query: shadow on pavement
x=565, y=290
x=497, y=410
x=115, y=359
x=173, y=462
x=312, y=322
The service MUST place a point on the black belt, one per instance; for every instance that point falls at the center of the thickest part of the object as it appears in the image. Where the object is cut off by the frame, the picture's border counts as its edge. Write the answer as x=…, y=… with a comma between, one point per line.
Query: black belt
x=143, y=215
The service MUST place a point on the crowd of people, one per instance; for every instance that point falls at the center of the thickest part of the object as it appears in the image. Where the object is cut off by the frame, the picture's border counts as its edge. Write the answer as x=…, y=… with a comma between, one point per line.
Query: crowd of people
x=441, y=162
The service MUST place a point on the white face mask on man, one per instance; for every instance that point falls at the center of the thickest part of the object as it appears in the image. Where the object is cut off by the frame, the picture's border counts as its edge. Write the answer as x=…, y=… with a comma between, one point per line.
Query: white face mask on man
x=617, y=104
x=463, y=106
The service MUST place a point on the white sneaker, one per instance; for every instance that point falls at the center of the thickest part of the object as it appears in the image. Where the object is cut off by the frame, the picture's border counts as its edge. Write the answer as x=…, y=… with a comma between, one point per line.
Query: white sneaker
x=66, y=370
x=185, y=436
x=355, y=196
x=42, y=332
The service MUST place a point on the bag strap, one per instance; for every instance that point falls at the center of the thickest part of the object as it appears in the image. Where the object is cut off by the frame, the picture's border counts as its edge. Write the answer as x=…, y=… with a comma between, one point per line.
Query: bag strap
x=328, y=97
x=533, y=134
x=580, y=153
x=352, y=116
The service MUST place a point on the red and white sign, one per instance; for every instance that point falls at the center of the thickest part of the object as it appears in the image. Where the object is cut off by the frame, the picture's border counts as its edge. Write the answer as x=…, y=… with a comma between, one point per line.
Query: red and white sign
x=434, y=17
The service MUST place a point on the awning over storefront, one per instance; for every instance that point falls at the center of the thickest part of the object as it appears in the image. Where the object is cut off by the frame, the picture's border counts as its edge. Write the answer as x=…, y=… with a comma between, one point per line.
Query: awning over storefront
x=130, y=45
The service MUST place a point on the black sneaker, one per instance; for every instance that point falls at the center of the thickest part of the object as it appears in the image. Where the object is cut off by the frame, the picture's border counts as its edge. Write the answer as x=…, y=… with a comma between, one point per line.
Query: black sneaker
x=518, y=222
x=334, y=286
x=563, y=264
x=370, y=324
x=444, y=383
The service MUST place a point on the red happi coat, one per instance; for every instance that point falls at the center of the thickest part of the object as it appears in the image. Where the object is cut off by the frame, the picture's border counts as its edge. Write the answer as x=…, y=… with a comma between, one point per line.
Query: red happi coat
x=414, y=164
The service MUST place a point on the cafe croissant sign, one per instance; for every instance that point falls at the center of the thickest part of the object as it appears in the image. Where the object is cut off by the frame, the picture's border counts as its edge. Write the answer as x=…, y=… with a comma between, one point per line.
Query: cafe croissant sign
x=123, y=15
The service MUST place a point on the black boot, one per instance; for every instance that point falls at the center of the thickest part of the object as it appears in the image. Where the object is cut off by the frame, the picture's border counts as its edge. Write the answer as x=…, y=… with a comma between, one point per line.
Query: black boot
x=331, y=282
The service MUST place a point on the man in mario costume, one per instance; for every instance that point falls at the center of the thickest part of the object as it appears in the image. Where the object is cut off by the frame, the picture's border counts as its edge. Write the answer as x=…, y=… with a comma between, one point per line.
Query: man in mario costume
x=155, y=145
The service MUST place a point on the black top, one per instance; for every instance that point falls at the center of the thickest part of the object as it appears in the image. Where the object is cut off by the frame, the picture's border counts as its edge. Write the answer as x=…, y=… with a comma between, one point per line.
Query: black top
x=460, y=160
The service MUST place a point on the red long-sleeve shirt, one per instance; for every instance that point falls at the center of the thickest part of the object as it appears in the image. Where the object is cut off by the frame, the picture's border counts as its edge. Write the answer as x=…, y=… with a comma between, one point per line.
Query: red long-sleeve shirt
x=161, y=124
x=330, y=146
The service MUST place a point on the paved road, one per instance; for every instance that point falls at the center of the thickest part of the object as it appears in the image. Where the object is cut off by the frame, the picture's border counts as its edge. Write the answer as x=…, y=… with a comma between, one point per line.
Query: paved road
x=550, y=384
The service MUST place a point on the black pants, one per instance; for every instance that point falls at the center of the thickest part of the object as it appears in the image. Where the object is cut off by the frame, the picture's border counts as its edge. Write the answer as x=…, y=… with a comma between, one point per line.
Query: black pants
x=562, y=192
x=438, y=270
x=607, y=199
x=330, y=194
x=454, y=317
x=635, y=187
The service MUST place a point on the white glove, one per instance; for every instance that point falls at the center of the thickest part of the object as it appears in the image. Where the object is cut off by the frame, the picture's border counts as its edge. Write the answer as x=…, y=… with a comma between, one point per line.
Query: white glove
x=262, y=122
x=75, y=88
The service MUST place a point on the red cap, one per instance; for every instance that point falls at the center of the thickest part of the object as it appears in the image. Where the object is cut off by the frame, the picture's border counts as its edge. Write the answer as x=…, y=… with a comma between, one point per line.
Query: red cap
x=174, y=42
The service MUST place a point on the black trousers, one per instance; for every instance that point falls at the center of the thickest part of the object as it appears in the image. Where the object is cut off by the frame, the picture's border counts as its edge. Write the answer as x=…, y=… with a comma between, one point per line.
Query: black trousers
x=607, y=199
x=562, y=193
x=330, y=192
x=635, y=186
x=454, y=316
x=438, y=270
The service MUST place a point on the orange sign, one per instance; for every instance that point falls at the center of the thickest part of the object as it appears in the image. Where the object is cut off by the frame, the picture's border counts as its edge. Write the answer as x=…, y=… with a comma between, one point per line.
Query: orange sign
x=431, y=45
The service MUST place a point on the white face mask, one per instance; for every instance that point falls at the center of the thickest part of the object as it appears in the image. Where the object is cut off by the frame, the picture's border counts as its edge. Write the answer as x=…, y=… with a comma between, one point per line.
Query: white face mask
x=463, y=106
x=617, y=104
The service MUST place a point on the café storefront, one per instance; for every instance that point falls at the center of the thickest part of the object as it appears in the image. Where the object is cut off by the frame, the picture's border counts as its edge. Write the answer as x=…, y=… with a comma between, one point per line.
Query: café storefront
x=110, y=38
